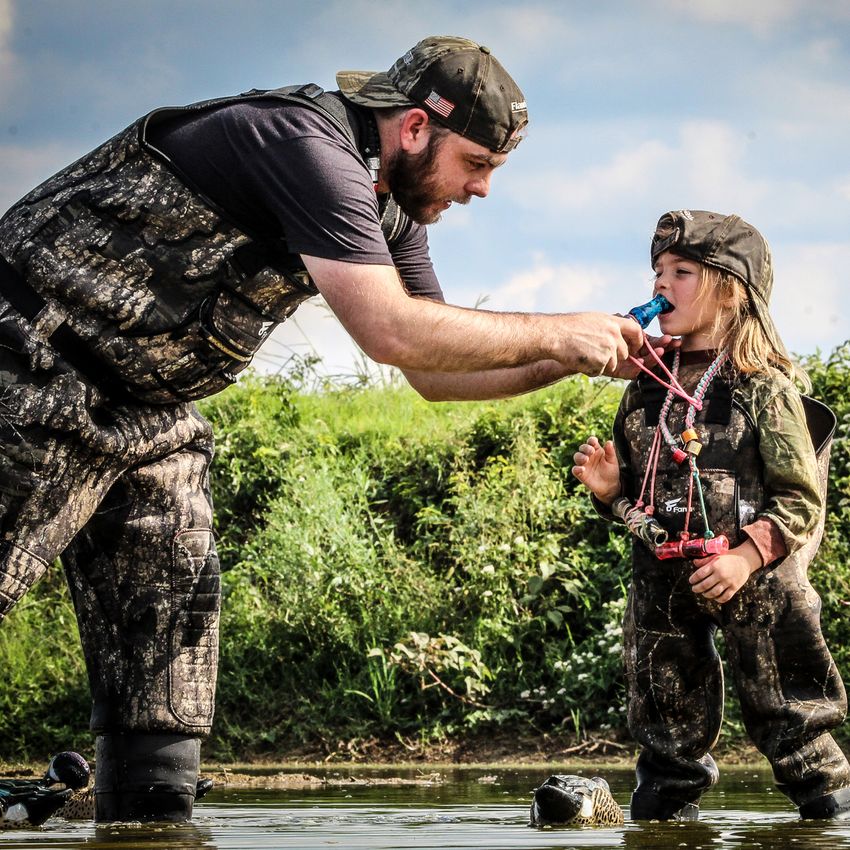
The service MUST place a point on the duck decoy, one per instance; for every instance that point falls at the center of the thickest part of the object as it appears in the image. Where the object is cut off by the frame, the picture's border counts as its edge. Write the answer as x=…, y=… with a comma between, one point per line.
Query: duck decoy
x=568, y=800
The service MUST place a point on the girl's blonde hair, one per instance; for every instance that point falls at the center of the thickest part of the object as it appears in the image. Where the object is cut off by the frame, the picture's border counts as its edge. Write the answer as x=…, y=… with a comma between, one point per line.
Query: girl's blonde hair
x=739, y=331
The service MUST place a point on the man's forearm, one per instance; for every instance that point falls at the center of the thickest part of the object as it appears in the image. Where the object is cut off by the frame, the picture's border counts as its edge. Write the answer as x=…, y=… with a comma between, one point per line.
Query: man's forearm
x=487, y=384
x=422, y=335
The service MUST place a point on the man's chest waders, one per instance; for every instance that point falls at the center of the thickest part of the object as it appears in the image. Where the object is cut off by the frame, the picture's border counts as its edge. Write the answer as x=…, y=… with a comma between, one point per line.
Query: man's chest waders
x=124, y=294
x=790, y=691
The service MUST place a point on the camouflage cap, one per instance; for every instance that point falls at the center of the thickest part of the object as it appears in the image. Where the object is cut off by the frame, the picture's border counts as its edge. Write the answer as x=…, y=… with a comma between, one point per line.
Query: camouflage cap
x=457, y=82
x=724, y=242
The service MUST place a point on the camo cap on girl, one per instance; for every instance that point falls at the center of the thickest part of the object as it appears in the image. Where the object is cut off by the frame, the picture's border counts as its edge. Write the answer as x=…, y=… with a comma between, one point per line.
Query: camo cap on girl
x=724, y=242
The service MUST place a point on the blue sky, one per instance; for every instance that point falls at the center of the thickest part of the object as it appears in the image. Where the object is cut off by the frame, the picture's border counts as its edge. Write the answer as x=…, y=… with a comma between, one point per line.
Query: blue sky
x=636, y=108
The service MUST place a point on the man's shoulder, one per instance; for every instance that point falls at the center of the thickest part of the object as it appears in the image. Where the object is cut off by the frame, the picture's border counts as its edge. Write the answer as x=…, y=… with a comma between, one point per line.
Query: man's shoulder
x=285, y=118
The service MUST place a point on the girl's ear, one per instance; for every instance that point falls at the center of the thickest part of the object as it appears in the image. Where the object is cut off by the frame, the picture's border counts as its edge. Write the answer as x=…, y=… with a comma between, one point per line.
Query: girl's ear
x=733, y=298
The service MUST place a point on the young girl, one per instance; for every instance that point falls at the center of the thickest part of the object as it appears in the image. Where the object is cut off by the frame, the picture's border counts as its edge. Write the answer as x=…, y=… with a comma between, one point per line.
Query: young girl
x=720, y=460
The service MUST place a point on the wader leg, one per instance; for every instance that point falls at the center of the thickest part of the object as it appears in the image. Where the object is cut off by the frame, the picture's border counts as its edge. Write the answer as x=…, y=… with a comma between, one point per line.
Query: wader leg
x=790, y=690
x=144, y=577
x=145, y=776
x=675, y=682
x=50, y=481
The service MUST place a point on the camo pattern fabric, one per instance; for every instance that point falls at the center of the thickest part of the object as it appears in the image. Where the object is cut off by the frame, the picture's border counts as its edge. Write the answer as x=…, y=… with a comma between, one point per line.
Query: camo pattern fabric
x=757, y=460
x=164, y=290
x=121, y=493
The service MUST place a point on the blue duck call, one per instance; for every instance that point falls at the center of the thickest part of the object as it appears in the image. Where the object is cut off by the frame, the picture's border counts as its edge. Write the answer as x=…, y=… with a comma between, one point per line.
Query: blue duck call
x=645, y=313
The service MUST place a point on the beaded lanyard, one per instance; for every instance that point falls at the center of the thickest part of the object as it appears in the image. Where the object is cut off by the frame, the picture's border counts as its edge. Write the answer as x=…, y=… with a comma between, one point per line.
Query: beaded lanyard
x=689, y=439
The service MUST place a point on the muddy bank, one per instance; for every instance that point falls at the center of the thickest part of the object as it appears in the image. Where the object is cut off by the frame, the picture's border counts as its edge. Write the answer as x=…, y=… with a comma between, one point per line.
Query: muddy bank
x=337, y=763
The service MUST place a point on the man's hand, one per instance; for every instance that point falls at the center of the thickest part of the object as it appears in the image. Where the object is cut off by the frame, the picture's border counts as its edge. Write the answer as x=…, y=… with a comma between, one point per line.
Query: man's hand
x=660, y=344
x=596, y=467
x=720, y=577
x=597, y=343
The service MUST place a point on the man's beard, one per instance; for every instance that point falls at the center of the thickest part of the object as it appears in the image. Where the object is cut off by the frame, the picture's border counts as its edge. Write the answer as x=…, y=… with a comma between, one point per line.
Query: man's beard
x=412, y=181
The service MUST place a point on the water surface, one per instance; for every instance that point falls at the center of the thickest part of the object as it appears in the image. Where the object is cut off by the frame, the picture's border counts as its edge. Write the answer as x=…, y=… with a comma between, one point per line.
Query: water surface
x=469, y=808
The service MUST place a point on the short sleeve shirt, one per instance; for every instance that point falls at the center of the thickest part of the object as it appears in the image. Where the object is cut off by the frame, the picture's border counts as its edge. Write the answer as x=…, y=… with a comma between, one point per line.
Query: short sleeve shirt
x=282, y=170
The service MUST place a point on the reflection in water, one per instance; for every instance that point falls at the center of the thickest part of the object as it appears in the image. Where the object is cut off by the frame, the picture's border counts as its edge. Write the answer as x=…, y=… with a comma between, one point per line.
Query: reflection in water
x=736, y=829
x=185, y=836
x=467, y=811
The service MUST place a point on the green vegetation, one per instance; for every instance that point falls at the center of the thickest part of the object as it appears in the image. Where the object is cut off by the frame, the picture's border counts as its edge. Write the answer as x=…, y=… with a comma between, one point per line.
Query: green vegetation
x=397, y=569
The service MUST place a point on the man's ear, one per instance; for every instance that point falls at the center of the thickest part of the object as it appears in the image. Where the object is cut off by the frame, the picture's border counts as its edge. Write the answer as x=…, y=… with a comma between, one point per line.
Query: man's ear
x=414, y=131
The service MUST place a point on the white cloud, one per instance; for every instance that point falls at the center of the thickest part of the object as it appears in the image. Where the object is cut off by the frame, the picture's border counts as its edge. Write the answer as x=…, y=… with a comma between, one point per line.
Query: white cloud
x=823, y=51
x=702, y=168
x=809, y=303
x=378, y=31
x=559, y=288
x=759, y=16
x=627, y=173
x=23, y=168
x=312, y=331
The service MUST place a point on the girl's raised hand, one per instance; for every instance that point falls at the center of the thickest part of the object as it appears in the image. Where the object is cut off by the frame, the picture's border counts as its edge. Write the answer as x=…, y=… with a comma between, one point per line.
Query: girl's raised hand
x=597, y=468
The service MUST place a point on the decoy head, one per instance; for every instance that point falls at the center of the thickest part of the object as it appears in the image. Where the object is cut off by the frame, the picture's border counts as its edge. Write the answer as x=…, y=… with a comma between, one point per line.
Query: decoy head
x=562, y=798
x=69, y=768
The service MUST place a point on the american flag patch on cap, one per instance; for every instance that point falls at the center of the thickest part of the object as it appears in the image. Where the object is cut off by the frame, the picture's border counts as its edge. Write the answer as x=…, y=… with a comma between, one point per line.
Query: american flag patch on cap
x=439, y=104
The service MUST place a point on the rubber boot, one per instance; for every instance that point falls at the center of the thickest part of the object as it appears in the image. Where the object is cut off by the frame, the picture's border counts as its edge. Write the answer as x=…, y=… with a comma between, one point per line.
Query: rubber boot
x=835, y=805
x=143, y=776
x=647, y=805
x=670, y=788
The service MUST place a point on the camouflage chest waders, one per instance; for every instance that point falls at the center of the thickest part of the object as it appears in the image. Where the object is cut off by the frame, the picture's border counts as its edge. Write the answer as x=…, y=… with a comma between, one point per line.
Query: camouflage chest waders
x=106, y=465
x=790, y=691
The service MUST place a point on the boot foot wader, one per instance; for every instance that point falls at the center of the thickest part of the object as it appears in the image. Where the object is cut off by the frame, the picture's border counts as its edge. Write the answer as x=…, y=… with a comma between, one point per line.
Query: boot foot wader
x=835, y=805
x=670, y=789
x=145, y=777
x=647, y=805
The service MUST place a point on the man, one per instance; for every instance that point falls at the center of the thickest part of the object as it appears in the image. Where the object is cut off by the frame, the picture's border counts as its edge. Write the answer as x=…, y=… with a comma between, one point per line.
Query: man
x=148, y=273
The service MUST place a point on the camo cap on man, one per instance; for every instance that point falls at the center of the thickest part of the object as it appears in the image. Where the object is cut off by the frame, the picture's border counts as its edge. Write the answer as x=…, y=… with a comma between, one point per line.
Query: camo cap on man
x=724, y=242
x=457, y=82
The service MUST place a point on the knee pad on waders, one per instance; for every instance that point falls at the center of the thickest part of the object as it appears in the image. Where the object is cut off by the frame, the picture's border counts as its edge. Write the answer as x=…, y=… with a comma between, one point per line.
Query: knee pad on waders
x=144, y=776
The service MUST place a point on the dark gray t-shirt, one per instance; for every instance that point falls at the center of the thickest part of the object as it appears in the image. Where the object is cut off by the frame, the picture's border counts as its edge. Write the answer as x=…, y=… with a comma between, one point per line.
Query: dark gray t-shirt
x=283, y=169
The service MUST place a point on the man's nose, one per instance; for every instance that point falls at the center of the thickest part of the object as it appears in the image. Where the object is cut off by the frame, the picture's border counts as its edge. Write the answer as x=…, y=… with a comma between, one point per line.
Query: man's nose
x=480, y=187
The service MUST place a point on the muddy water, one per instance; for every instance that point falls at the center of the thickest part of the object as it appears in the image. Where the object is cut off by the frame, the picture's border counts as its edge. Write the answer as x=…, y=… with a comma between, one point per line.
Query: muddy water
x=466, y=809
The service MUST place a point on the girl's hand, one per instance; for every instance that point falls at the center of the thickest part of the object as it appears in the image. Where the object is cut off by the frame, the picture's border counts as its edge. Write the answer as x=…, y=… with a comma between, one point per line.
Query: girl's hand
x=720, y=577
x=597, y=468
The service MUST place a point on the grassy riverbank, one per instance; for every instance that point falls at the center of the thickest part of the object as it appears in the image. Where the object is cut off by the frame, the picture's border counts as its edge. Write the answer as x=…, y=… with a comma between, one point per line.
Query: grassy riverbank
x=403, y=577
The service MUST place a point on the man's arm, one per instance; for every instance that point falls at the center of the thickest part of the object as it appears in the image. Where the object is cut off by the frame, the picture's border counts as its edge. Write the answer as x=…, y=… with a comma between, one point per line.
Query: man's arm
x=486, y=384
x=419, y=335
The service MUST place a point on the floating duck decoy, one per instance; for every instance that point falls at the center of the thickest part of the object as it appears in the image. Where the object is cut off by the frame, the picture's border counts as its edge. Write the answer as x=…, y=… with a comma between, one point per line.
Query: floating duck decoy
x=567, y=800
x=28, y=803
